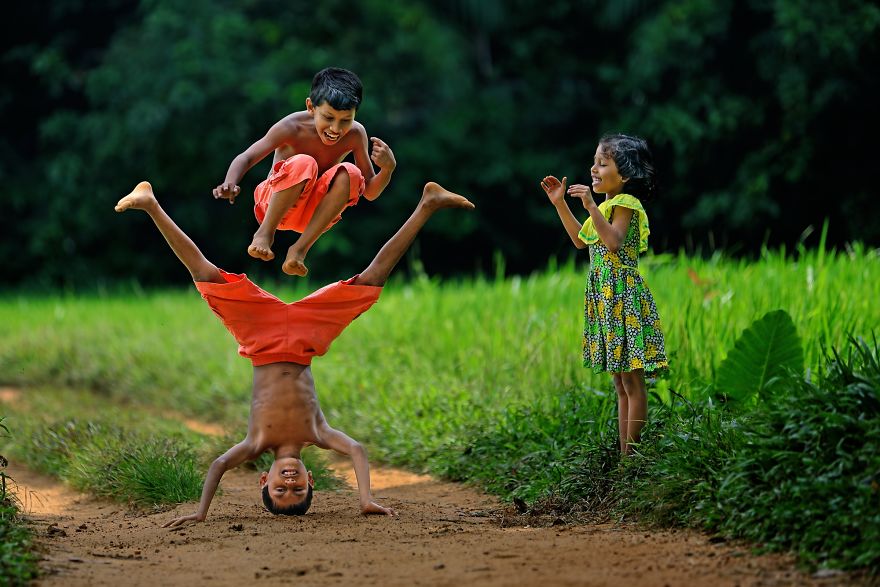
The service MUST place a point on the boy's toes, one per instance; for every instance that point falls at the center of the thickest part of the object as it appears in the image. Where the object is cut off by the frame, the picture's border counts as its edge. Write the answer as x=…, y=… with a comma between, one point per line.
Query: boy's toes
x=258, y=252
x=295, y=267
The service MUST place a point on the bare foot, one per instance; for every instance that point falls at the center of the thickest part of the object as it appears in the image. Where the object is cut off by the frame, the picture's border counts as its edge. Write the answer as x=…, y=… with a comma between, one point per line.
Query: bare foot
x=261, y=247
x=293, y=264
x=435, y=197
x=140, y=198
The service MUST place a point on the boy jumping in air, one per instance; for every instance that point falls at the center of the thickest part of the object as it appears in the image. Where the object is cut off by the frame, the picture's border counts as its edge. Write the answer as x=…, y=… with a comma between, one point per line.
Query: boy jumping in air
x=309, y=186
x=280, y=339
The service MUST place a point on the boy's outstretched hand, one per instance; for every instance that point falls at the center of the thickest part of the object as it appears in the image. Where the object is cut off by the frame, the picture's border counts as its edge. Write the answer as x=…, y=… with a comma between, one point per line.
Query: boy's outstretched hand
x=371, y=507
x=382, y=155
x=177, y=522
x=226, y=191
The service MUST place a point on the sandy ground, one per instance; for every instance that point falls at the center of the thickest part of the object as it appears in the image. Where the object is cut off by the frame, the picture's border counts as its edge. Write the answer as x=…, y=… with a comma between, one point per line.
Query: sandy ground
x=445, y=534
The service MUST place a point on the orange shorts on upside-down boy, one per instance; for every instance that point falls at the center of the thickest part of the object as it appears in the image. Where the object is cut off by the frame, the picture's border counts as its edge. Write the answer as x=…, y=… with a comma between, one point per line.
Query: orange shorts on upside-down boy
x=294, y=170
x=271, y=331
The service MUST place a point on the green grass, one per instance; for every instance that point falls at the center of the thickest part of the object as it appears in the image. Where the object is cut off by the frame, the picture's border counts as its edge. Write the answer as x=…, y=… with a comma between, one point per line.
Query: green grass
x=126, y=455
x=18, y=560
x=478, y=380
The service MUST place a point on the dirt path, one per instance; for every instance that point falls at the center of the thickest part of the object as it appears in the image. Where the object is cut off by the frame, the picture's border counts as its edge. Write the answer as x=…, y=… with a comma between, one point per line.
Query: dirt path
x=445, y=534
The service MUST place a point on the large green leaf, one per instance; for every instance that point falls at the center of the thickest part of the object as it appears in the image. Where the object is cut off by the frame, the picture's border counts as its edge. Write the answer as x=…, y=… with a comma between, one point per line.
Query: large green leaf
x=768, y=348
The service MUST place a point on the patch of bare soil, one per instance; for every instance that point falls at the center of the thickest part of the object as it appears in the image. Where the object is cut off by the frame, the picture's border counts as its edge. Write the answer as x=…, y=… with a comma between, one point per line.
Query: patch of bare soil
x=445, y=534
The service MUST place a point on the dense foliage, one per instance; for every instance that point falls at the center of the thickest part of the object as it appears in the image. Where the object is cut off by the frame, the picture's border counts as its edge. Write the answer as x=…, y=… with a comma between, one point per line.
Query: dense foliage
x=756, y=112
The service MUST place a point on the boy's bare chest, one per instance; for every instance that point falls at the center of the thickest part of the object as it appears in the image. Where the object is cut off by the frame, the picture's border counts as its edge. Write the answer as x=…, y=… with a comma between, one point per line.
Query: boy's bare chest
x=285, y=421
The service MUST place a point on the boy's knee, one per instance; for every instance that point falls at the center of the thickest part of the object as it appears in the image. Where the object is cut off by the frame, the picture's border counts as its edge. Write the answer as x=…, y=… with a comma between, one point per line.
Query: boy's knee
x=207, y=274
x=350, y=179
x=342, y=180
x=302, y=165
x=369, y=277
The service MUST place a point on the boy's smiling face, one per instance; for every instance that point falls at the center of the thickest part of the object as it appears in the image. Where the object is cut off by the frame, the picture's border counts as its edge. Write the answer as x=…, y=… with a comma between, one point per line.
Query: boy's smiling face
x=330, y=124
x=288, y=481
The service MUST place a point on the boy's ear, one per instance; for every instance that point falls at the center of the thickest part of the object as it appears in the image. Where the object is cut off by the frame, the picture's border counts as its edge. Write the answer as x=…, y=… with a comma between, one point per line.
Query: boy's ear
x=309, y=106
x=264, y=477
x=624, y=179
x=311, y=480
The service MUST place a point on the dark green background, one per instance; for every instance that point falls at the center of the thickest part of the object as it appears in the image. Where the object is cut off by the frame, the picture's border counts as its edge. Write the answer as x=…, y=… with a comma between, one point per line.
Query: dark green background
x=759, y=113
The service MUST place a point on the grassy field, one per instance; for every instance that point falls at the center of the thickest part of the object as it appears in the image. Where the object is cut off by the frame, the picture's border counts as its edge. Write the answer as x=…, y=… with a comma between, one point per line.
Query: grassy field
x=477, y=380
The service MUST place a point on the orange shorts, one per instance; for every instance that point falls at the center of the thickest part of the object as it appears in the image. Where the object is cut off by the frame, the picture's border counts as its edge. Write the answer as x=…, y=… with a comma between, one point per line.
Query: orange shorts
x=294, y=170
x=271, y=331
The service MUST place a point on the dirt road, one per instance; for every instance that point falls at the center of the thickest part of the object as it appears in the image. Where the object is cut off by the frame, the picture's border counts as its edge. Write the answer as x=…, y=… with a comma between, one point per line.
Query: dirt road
x=445, y=534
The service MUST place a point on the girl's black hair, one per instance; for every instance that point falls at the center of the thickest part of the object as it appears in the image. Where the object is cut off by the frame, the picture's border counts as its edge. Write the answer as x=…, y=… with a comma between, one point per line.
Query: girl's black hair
x=340, y=88
x=634, y=162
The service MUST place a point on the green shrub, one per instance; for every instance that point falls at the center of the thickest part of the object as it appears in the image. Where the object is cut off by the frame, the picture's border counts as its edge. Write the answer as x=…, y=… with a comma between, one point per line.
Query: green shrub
x=806, y=475
x=18, y=562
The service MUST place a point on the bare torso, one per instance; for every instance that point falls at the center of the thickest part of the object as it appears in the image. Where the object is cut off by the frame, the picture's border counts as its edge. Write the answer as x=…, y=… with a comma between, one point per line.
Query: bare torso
x=285, y=414
x=299, y=130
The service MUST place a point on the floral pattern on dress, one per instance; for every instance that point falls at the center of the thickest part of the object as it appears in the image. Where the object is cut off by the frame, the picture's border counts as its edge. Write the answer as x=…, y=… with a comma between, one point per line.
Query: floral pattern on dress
x=622, y=330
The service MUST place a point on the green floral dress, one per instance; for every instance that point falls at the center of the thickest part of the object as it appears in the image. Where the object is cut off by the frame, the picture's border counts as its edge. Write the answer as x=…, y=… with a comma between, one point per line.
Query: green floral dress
x=622, y=327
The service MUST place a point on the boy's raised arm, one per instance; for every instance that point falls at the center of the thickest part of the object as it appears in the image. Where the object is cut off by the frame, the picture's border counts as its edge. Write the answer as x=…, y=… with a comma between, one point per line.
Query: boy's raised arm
x=229, y=189
x=382, y=156
x=343, y=444
x=229, y=460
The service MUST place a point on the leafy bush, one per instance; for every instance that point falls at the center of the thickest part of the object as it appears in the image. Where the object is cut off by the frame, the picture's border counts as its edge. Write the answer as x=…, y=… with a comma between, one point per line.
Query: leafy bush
x=806, y=475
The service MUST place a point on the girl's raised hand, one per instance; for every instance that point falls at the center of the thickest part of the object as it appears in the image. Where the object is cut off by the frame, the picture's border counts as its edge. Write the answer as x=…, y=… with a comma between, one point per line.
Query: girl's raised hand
x=583, y=192
x=554, y=188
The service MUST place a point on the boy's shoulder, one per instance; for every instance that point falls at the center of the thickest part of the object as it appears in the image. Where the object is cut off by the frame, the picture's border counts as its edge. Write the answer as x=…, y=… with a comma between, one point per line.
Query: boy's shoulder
x=301, y=124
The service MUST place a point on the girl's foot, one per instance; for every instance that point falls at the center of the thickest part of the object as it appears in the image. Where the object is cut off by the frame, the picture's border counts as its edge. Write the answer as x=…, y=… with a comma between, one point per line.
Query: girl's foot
x=140, y=198
x=293, y=264
x=261, y=247
x=435, y=197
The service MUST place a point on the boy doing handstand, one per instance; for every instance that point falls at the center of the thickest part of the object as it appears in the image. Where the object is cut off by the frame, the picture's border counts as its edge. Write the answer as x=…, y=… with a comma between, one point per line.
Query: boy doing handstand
x=281, y=339
x=309, y=185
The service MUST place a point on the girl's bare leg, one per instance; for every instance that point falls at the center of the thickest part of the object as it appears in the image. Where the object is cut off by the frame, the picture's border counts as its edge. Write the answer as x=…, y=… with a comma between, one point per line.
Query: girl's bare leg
x=434, y=198
x=279, y=204
x=637, y=398
x=331, y=206
x=142, y=198
x=622, y=410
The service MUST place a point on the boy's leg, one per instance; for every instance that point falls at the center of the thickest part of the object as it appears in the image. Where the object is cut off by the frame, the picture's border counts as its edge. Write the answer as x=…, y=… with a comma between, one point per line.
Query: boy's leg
x=142, y=198
x=331, y=206
x=434, y=198
x=279, y=204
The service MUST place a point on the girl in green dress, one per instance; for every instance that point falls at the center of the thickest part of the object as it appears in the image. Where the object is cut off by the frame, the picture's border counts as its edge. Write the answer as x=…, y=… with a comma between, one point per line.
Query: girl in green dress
x=622, y=333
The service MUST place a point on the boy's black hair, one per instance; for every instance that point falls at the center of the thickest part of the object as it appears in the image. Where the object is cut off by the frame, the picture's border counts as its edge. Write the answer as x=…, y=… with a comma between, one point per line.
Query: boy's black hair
x=298, y=509
x=634, y=162
x=340, y=88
